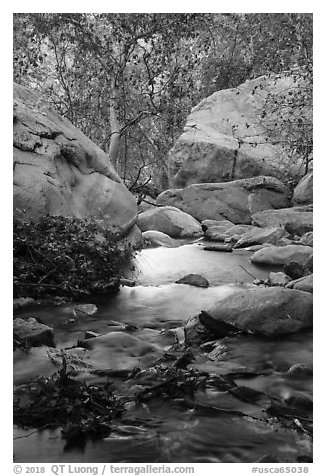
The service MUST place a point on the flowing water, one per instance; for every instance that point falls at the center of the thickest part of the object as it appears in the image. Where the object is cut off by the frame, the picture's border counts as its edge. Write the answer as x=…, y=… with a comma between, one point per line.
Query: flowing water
x=166, y=431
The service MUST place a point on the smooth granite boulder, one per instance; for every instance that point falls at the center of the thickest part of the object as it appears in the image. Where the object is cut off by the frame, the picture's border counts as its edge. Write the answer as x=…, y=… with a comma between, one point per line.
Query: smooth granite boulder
x=225, y=137
x=171, y=221
x=235, y=201
x=282, y=255
x=59, y=171
x=267, y=311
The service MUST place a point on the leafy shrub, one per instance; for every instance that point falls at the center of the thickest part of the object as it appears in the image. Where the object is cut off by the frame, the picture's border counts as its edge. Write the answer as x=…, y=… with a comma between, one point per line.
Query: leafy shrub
x=64, y=257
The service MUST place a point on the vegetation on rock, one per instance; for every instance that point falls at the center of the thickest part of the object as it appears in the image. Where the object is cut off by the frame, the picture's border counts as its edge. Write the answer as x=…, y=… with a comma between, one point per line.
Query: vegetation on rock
x=84, y=411
x=58, y=256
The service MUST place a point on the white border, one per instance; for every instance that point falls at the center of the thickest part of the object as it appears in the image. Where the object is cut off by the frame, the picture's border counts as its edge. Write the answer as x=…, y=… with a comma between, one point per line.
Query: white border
x=276, y=6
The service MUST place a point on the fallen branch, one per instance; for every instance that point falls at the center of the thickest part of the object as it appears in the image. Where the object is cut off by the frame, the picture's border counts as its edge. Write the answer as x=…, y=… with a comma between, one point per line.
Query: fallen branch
x=244, y=269
x=32, y=432
x=150, y=203
x=48, y=274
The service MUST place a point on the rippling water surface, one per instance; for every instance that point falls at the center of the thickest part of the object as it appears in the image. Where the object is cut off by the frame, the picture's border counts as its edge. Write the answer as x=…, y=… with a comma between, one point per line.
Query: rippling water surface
x=169, y=431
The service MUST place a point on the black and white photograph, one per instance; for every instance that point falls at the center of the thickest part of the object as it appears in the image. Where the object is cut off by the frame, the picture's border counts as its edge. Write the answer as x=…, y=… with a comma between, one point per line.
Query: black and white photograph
x=162, y=241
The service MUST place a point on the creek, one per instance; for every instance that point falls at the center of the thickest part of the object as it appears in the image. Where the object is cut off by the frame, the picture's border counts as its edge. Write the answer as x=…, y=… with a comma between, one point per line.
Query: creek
x=155, y=310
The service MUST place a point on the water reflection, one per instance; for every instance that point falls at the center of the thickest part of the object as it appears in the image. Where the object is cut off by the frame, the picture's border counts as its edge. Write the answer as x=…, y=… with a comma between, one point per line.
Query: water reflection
x=165, y=265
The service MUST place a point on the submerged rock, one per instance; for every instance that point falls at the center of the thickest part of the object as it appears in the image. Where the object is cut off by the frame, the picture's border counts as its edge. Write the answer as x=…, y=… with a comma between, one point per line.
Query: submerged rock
x=120, y=351
x=304, y=459
x=268, y=311
x=281, y=255
x=82, y=310
x=300, y=402
x=269, y=458
x=33, y=333
x=218, y=247
x=171, y=221
x=194, y=280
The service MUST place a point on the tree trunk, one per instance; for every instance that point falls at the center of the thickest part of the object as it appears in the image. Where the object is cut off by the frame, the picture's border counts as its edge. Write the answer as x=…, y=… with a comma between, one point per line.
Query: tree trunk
x=115, y=126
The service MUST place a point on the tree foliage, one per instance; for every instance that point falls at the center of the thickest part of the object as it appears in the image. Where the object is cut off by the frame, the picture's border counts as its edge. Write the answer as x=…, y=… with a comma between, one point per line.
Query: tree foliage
x=287, y=117
x=251, y=45
x=130, y=80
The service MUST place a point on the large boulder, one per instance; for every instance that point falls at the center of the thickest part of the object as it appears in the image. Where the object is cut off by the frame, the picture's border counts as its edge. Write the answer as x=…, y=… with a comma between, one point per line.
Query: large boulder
x=303, y=192
x=59, y=171
x=171, y=221
x=282, y=255
x=267, y=311
x=235, y=201
x=225, y=137
x=296, y=220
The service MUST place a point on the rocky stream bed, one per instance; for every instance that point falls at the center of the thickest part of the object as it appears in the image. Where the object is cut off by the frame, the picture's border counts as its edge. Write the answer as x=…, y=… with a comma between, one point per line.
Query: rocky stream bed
x=239, y=398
